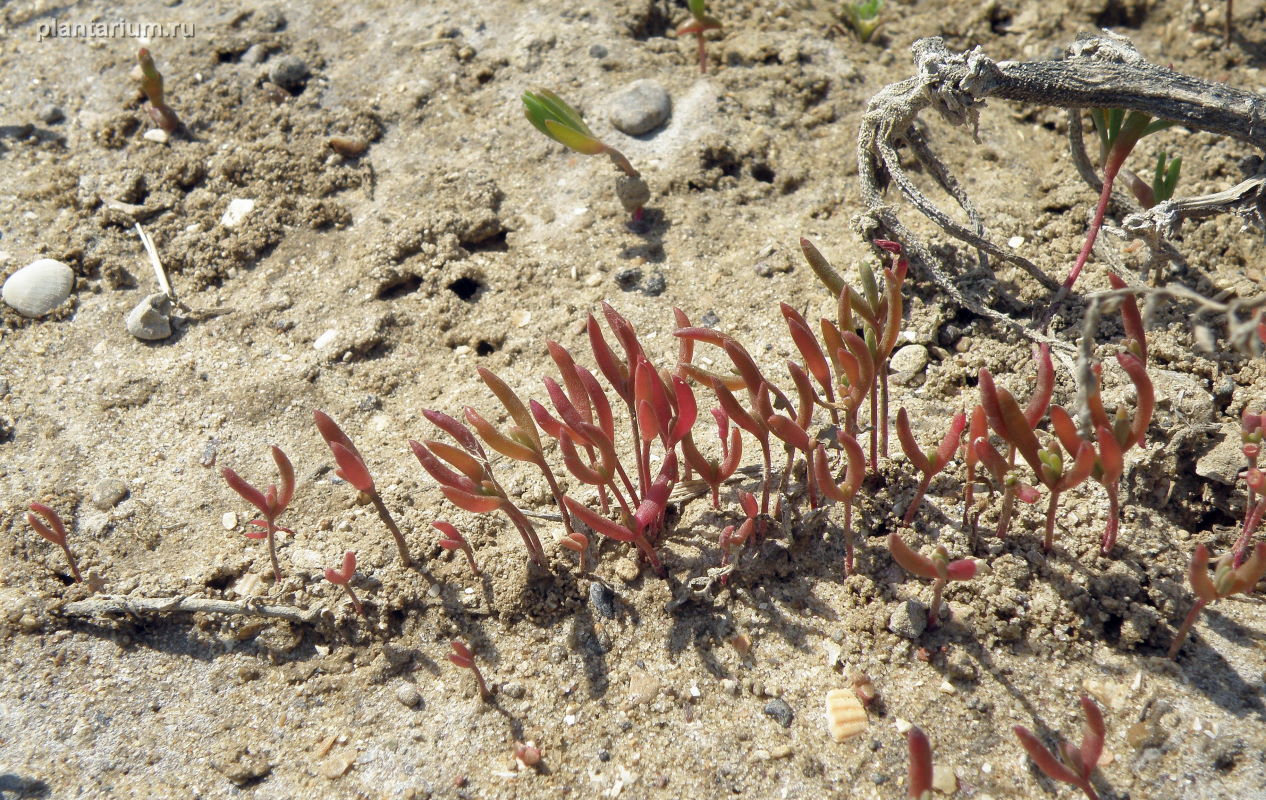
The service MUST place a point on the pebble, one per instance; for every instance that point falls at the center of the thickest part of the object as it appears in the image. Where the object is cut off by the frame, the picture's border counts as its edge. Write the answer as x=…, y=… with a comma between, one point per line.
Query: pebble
x=39, y=287
x=237, y=212
x=290, y=73
x=229, y=520
x=408, y=695
x=909, y=362
x=50, y=114
x=640, y=107
x=108, y=493
x=780, y=712
x=513, y=689
x=597, y=51
x=150, y=320
x=943, y=779
x=255, y=54
x=730, y=686
x=909, y=619
x=602, y=598
x=156, y=135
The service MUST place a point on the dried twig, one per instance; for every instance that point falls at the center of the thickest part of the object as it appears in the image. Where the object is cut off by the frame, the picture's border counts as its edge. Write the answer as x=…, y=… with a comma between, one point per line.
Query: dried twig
x=1100, y=72
x=107, y=605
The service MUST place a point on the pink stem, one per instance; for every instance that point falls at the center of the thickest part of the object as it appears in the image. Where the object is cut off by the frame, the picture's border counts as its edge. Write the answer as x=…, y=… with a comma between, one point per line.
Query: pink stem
x=1114, y=513
x=1181, y=636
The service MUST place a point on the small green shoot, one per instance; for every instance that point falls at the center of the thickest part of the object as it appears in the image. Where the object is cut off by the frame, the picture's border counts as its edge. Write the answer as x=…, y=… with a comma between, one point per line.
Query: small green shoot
x=552, y=116
x=700, y=22
x=152, y=85
x=862, y=18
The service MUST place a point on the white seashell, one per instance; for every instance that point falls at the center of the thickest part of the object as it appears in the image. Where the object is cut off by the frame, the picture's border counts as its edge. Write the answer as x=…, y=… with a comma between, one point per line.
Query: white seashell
x=39, y=287
x=156, y=135
x=845, y=715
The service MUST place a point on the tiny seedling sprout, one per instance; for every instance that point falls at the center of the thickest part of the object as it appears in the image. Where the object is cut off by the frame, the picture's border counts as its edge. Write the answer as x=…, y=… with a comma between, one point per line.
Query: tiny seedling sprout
x=700, y=23
x=462, y=657
x=939, y=569
x=271, y=503
x=862, y=18
x=343, y=577
x=352, y=468
x=552, y=116
x=53, y=529
x=1227, y=579
x=1073, y=765
x=152, y=85
x=451, y=539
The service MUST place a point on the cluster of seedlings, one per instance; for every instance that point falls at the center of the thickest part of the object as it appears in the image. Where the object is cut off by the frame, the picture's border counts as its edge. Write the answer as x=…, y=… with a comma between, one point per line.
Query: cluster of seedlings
x=635, y=440
x=627, y=428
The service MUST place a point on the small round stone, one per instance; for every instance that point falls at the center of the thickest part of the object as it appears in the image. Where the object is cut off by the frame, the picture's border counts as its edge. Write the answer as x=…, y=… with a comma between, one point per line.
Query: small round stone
x=290, y=73
x=780, y=712
x=602, y=598
x=151, y=319
x=39, y=287
x=597, y=51
x=50, y=114
x=408, y=695
x=108, y=493
x=640, y=107
x=909, y=362
x=909, y=619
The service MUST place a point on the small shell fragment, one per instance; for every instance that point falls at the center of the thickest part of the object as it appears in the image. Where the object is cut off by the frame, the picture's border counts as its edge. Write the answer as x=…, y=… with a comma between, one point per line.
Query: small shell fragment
x=845, y=716
x=348, y=146
x=39, y=287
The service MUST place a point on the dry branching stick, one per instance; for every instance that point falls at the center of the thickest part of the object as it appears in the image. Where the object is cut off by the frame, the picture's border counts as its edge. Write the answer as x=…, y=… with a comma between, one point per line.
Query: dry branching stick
x=1099, y=73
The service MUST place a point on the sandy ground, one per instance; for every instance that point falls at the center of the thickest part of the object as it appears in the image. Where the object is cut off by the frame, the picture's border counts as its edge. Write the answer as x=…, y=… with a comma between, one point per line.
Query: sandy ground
x=372, y=286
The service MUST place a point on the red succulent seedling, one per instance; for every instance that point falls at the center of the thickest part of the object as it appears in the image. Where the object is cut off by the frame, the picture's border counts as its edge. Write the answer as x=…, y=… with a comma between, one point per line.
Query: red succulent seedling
x=929, y=463
x=1251, y=429
x=53, y=529
x=1004, y=475
x=714, y=471
x=939, y=569
x=1073, y=765
x=343, y=577
x=270, y=503
x=699, y=23
x=462, y=657
x=451, y=539
x=352, y=468
x=472, y=487
x=1227, y=579
x=842, y=492
x=643, y=518
x=920, y=781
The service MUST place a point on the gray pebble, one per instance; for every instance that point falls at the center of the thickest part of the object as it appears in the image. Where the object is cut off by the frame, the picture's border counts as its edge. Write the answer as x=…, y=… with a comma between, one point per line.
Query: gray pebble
x=654, y=284
x=709, y=319
x=602, y=598
x=108, y=493
x=151, y=319
x=50, y=114
x=639, y=108
x=255, y=54
x=290, y=73
x=780, y=712
x=408, y=695
x=39, y=287
x=632, y=192
x=909, y=619
x=909, y=363
x=513, y=689
x=628, y=278
x=597, y=51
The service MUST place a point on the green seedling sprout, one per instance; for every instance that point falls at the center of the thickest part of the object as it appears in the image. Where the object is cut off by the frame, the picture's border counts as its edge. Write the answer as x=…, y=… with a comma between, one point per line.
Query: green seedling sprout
x=700, y=23
x=862, y=18
x=152, y=85
x=552, y=116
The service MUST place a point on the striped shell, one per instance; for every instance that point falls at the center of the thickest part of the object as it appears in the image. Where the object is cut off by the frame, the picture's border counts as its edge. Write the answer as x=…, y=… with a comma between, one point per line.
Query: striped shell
x=845, y=716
